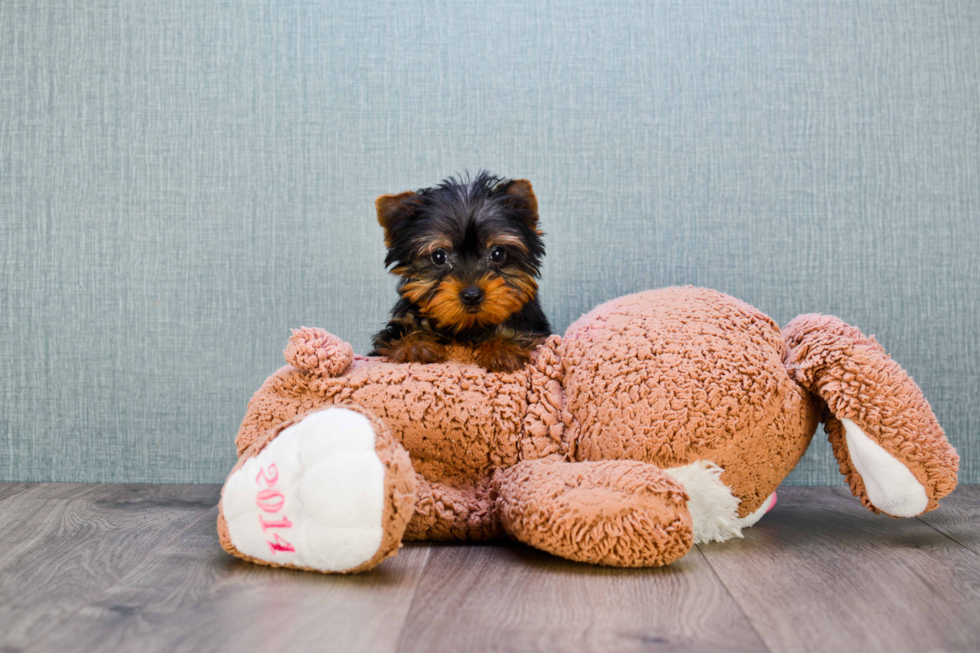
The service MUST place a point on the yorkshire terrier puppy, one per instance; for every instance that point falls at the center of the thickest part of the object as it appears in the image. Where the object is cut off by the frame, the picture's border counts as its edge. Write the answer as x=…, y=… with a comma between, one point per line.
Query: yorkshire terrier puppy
x=467, y=252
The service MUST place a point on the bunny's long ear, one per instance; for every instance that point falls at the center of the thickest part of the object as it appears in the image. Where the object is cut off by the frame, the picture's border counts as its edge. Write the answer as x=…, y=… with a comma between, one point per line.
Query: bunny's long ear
x=392, y=210
x=885, y=436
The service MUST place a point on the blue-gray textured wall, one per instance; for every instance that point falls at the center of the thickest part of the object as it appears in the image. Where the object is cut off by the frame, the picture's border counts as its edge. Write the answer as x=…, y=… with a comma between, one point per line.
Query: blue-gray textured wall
x=183, y=181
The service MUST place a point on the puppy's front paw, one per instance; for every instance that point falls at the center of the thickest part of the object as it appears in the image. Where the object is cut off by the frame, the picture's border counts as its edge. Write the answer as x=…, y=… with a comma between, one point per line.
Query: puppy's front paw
x=414, y=349
x=502, y=356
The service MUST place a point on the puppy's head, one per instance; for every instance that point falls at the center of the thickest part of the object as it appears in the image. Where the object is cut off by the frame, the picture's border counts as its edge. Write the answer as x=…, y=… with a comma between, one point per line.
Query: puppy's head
x=467, y=251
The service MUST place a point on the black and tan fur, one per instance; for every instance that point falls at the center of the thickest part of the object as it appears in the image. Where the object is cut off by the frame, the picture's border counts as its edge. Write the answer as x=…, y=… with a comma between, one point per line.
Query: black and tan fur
x=467, y=253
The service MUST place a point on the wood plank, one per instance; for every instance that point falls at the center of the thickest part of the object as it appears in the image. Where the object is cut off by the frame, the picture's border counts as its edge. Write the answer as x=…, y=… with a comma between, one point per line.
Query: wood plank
x=33, y=514
x=88, y=567
x=958, y=517
x=10, y=489
x=506, y=596
x=821, y=573
x=191, y=596
x=62, y=544
x=42, y=491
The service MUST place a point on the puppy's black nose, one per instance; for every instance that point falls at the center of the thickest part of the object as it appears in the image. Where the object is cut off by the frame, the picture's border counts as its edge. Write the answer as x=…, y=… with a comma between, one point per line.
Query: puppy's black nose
x=471, y=296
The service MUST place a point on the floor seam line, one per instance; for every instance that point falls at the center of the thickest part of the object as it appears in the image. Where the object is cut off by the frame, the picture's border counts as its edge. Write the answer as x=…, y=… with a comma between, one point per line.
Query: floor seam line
x=948, y=536
x=415, y=590
x=738, y=605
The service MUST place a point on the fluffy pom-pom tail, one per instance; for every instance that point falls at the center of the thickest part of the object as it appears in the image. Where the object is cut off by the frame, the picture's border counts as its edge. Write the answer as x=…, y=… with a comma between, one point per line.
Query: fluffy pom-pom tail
x=316, y=351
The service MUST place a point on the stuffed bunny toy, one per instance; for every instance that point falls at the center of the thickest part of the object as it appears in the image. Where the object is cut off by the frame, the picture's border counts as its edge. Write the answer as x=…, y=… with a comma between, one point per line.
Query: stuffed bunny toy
x=658, y=420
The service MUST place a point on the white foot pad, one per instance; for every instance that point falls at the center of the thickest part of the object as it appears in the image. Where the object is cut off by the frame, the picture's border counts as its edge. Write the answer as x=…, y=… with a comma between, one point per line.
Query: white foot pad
x=314, y=497
x=891, y=487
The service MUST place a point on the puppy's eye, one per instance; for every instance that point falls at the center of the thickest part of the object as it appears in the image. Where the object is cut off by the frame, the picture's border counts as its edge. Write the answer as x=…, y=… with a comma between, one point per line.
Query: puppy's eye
x=439, y=257
x=497, y=254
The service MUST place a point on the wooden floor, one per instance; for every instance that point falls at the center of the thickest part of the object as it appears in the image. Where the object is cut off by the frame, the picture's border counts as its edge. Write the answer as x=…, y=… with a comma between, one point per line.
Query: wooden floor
x=139, y=568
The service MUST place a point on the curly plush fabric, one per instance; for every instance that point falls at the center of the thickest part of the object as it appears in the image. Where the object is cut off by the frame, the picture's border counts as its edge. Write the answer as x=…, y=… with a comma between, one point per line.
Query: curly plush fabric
x=682, y=374
x=614, y=512
x=860, y=382
x=458, y=421
x=593, y=449
x=317, y=351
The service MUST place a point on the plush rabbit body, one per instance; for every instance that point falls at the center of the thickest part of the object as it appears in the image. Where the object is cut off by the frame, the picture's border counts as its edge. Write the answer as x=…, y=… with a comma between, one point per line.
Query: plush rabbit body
x=660, y=419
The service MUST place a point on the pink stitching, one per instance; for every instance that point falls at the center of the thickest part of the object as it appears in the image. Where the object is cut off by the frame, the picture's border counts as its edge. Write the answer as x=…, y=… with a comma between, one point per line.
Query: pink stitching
x=270, y=500
x=282, y=523
x=269, y=482
x=281, y=545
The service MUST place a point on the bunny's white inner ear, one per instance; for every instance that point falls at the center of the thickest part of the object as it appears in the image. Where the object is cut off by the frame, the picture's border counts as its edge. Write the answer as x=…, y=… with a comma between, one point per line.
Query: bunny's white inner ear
x=890, y=485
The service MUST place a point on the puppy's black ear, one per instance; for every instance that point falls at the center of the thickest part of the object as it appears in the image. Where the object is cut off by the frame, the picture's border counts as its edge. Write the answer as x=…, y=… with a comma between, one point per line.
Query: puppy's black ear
x=520, y=190
x=392, y=209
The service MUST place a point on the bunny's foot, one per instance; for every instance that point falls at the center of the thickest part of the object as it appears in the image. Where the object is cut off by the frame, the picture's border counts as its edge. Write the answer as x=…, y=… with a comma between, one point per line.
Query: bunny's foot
x=621, y=513
x=330, y=491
